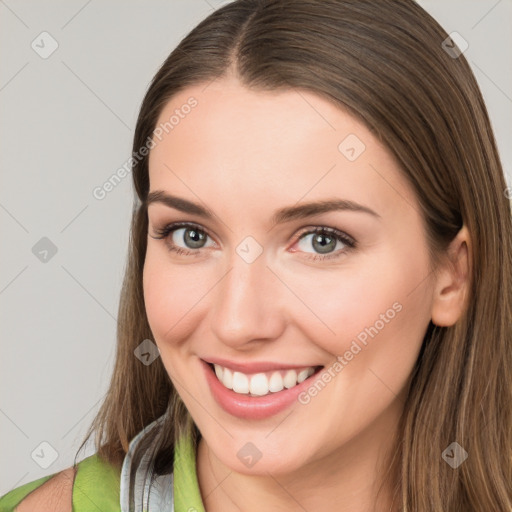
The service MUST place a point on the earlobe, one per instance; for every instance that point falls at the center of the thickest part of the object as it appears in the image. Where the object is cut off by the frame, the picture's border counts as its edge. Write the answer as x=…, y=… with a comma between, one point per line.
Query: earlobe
x=452, y=283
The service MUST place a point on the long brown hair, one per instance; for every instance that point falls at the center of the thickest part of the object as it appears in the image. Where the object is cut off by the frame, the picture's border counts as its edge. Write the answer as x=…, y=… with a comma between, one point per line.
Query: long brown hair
x=383, y=61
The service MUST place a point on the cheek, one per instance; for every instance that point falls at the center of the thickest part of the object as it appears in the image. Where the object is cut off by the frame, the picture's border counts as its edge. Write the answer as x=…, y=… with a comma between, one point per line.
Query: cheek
x=173, y=297
x=164, y=309
x=379, y=315
x=385, y=299
x=156, y=299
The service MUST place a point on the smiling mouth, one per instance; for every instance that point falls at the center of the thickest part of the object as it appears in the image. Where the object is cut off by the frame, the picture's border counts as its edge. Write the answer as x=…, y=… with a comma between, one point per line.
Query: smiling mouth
x=262, y=383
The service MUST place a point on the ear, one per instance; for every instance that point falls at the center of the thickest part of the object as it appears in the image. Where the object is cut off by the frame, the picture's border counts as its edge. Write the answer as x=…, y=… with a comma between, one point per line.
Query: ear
x=452, y=283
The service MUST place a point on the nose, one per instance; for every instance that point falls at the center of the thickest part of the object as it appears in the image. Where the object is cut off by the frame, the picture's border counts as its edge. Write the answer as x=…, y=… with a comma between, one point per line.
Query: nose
x=248, y=304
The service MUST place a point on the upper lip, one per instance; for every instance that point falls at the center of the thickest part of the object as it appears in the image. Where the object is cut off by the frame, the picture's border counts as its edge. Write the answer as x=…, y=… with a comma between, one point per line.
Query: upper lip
x=255, y=367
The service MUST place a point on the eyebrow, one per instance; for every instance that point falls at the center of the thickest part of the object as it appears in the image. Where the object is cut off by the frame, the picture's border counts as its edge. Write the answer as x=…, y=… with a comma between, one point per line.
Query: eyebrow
x=282, y=215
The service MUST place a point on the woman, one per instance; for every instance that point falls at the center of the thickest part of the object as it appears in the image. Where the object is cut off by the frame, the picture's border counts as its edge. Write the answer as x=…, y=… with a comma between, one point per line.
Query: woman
x=316, y=311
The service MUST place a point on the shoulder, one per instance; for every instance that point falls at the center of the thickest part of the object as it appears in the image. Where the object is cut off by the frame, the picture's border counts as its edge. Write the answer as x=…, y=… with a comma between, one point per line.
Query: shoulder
x=53, y=492
x=73, y=489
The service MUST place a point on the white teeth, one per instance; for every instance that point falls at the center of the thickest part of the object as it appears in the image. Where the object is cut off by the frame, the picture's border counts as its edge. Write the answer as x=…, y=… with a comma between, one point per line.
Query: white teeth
x=227, y=378
x=302, y=376
x=260, y=384
x=276, y=382
x=240, y=383
x=290, y=379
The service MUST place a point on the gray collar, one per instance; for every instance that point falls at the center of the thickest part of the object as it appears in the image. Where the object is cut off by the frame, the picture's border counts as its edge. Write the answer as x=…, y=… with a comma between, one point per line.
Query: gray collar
x=161, y=494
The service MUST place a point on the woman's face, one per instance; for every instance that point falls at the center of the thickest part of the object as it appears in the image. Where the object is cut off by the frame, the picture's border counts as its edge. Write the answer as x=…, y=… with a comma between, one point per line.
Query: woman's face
x=267, y=299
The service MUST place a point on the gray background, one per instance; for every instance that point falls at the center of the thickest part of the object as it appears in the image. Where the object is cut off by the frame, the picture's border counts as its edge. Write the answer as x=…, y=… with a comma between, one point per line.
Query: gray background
x=66, y=126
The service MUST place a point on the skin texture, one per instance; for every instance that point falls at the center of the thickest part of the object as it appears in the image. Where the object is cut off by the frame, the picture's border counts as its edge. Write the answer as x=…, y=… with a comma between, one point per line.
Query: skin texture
x=245, y=154
x=56, y=494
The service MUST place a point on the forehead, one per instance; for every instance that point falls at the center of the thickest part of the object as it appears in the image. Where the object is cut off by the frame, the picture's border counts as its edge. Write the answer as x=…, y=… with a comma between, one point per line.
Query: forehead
x=270, y=146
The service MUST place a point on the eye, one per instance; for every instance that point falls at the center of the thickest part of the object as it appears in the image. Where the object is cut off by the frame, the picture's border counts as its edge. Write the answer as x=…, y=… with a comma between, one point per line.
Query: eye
x=191, y=235
x=324, y=240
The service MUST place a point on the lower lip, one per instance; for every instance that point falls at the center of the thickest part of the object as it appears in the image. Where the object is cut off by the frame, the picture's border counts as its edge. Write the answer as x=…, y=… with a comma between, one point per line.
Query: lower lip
x=252, y=407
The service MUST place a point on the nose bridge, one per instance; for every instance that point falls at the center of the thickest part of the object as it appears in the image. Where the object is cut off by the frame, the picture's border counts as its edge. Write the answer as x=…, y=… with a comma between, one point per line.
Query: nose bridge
x=247, y=304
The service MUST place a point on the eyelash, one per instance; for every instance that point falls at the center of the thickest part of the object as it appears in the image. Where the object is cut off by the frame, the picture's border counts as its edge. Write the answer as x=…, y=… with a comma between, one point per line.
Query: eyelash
x=347, y=240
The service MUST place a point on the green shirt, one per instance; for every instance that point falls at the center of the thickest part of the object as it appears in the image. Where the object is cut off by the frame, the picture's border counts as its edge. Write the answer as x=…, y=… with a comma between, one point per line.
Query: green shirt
x=97, y=484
